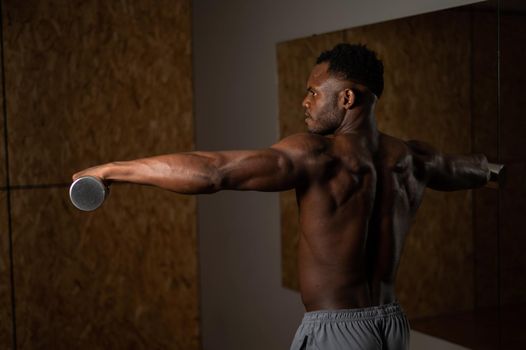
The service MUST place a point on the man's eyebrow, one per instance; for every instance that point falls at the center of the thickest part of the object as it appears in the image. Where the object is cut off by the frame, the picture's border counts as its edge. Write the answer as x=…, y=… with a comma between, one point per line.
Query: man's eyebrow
x=310, y=89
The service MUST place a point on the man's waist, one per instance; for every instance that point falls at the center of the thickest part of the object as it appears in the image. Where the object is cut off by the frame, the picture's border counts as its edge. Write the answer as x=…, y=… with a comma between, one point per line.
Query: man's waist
x=355, y=296
x=353, y=314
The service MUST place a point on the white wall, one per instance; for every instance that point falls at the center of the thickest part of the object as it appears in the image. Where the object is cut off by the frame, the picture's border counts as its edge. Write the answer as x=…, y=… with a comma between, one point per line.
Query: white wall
x=236, y=106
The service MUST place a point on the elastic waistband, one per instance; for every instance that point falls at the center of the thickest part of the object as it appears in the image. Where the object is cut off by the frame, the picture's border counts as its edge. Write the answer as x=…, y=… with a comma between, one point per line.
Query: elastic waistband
x=372, y=312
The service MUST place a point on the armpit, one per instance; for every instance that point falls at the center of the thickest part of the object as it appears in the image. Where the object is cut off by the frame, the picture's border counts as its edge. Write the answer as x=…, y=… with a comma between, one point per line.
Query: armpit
x=423, y=155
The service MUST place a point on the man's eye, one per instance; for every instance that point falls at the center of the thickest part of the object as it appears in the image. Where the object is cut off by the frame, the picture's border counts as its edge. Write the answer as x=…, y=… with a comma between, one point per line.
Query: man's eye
x=313, y=93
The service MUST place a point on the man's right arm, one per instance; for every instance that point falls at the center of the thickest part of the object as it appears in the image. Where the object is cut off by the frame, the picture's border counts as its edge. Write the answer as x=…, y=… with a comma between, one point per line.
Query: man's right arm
x=449, y=172
x=277, y=168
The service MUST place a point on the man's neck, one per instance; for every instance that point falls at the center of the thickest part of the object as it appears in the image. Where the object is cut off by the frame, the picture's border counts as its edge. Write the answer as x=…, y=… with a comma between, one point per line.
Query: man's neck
x=360, y=121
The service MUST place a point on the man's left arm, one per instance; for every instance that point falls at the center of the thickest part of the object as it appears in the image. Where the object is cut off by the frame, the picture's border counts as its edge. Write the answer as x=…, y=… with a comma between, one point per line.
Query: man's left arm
x=450, y=172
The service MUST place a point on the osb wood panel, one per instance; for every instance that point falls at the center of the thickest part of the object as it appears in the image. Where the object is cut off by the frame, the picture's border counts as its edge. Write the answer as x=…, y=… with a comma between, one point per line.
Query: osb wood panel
x=121, y=277
x=5, y=283
x=3, y=173
x=427, y=97
x=95, y=81
x=90, y=82
x=6, y=331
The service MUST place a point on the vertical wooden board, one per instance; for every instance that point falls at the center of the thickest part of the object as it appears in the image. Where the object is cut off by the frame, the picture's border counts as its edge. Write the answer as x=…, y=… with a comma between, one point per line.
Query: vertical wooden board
x=513, y=76
x=484, y=84
x=484, y=140
x=122, y=277
x=95, y=81
x=6, y=329
x=513, y=152
x=3, y=172
x=427, y=62
x=295, y=61
x=486, y=247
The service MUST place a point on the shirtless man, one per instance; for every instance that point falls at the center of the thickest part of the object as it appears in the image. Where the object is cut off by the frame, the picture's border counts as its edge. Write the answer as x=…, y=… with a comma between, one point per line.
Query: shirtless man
x=357, y=189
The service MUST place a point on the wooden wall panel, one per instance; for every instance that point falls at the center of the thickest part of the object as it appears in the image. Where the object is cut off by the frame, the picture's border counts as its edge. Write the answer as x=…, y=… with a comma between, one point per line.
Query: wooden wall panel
x=485, y=132
x=95, y=81
x=3, y=173
x=90, y=82
x=513, y=151
x=121, y=277
x=500, y=240
x=427, y=97
x=6, y=329
x=5, y=283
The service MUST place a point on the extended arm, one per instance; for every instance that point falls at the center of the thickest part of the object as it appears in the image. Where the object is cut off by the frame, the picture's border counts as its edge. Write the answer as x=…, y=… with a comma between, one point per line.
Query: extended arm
x=448, y=172
x=277, y=168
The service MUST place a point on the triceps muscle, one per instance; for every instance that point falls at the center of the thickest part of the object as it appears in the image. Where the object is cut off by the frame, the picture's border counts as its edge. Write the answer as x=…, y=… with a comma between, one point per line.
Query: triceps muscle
x=266, y=170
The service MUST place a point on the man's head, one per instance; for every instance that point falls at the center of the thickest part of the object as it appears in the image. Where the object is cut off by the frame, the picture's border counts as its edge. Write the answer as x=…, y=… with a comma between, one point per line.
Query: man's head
x=355, y=63
x=341, y=79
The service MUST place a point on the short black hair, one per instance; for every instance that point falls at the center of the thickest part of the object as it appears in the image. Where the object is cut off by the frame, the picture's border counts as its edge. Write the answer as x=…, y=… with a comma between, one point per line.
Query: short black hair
x=355, y=62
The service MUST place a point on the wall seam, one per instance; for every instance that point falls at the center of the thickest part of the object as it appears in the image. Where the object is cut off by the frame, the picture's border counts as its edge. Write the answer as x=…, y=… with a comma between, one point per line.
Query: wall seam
x=499, y=189
x=474, y=193
x=7, y=179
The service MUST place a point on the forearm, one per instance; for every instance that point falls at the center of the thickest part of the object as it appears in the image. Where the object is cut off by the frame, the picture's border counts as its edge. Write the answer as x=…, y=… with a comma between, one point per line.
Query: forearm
x=188, y=173
x=458, y=172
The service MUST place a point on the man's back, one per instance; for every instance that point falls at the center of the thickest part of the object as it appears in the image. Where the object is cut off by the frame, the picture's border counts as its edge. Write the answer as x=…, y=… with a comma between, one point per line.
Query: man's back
x=354, y=215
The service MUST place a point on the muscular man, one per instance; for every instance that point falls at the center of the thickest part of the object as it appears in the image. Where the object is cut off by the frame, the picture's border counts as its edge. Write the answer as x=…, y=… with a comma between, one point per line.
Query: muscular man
x=358, y=190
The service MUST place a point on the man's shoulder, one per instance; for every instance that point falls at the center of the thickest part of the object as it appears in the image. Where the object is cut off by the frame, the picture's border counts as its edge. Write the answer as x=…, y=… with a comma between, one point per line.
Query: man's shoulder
x=405, y=146
x=396, y=153
x=303, y=142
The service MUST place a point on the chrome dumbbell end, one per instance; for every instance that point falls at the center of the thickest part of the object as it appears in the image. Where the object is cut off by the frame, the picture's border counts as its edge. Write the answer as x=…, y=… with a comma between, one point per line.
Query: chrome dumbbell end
x=87, y=193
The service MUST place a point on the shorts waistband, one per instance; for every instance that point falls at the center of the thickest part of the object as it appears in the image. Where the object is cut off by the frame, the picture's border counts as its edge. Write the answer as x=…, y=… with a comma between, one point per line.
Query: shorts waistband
x=372, y=312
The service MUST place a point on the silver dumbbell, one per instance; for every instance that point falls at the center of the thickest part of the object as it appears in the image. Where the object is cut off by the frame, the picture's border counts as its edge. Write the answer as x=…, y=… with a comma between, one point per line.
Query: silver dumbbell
x=87, y=193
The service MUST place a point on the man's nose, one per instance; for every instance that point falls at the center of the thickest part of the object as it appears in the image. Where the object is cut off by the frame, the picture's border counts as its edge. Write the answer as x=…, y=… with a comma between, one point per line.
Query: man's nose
x=305, y=103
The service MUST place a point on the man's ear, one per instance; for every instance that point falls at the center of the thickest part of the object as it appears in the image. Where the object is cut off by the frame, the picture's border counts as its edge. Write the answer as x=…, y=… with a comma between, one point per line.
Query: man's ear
x=348, y=98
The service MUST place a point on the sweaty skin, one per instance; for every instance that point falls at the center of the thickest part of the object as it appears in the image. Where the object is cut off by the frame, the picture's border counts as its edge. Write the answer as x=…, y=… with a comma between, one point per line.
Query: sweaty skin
x=357, y=189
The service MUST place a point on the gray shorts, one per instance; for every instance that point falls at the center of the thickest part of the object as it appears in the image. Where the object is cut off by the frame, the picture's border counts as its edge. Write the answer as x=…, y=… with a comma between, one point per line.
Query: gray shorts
x=379, y=327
